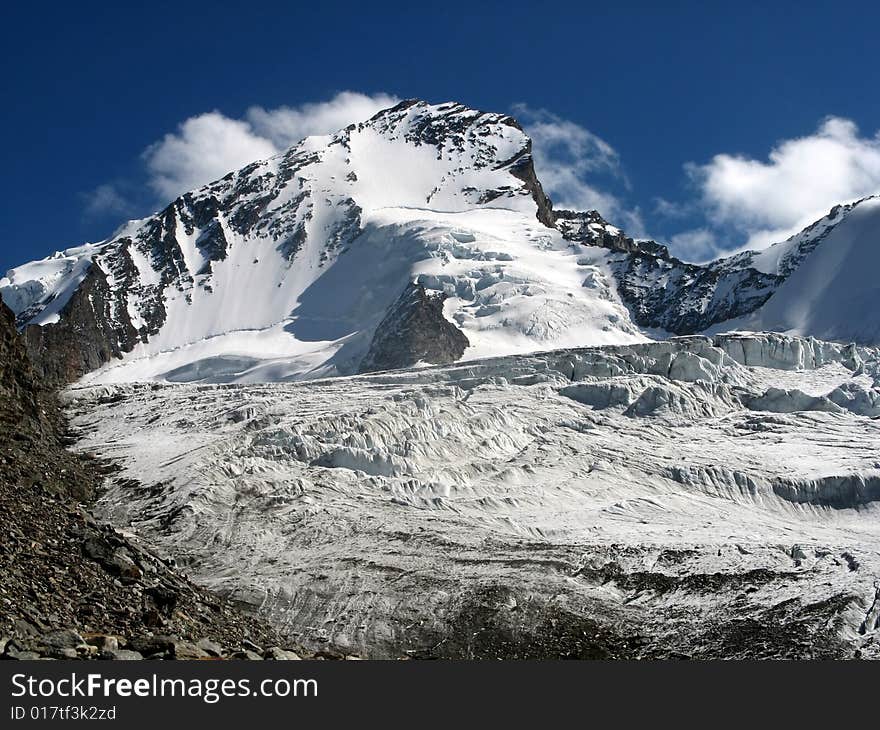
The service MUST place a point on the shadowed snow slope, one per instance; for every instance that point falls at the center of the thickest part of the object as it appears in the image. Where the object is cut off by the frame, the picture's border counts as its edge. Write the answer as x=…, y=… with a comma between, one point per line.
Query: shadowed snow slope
x=700, y=497
x=834, y=291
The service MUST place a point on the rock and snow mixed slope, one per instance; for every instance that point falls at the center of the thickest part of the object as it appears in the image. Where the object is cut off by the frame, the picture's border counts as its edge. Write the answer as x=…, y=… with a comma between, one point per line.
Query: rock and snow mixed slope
x=830, y=288
x=819, y=282
x=285, y=269
x=700, y=497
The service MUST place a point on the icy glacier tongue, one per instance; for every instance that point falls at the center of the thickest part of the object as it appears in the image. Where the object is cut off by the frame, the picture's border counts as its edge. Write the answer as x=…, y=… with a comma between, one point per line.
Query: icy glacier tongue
x=703, y=497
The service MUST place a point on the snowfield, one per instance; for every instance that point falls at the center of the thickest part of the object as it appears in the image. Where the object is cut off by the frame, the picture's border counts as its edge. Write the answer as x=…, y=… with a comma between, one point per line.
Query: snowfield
x=705, y=497
x=512, y=284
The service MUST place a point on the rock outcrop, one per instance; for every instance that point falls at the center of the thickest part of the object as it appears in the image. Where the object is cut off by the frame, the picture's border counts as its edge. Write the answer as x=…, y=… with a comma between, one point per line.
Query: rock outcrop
x=413, y=331
x=91, y=330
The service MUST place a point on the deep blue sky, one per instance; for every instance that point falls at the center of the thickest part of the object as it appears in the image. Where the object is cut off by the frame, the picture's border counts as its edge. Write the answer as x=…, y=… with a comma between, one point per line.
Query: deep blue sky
x=88, y=86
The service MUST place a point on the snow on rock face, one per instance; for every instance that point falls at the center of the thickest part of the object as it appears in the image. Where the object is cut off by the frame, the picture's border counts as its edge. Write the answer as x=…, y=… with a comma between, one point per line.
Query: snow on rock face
x=832, y=289
x=284, y=268
x=819, y=282
x=514, y=501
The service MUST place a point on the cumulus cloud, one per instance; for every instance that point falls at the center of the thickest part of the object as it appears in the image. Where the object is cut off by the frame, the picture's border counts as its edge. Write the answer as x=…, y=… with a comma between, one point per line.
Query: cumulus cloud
x=207, y=146
x=106, y=200
x=577, y=168
x=286, y=125
x=697, y=245
x=204, y=148
x=802, y=178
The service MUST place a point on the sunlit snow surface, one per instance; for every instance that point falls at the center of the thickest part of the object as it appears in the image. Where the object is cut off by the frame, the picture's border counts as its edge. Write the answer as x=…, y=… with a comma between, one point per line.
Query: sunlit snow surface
x=513, y=286
x=691, y=497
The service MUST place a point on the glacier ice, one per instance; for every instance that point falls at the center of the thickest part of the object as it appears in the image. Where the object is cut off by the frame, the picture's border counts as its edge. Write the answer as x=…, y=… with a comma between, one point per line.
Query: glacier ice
x=683, y=497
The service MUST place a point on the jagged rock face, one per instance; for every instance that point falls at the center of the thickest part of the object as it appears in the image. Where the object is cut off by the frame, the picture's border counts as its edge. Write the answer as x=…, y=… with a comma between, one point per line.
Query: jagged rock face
x=591, y=229
x=665, y=293
x=92, y=329
x=413, y=331
x=19, y=408
x=31, y=427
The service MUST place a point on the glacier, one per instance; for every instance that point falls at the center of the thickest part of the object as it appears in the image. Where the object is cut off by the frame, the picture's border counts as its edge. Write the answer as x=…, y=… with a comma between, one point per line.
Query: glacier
x=700, y=497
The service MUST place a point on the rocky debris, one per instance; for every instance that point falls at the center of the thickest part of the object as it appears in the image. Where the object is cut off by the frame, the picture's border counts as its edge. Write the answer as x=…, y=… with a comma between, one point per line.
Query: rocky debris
x=123, y=655
x=72, y=588
x=414, y=330
x=68, y=644
x=280, y=654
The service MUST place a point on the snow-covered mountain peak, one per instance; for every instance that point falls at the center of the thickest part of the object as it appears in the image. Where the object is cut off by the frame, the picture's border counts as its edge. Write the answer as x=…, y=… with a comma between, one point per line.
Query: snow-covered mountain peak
x=782, y=258
x=829, y=284
x=310, y=262
x=295, y=260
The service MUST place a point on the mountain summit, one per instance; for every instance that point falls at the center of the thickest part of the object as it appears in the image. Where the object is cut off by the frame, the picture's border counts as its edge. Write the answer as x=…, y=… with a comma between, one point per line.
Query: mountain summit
x=425, y=225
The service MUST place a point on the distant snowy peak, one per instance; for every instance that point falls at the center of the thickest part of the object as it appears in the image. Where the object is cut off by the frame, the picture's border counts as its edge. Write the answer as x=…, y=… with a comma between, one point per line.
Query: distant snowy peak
x=665, y=293
x=829, y=286
x=781, y=259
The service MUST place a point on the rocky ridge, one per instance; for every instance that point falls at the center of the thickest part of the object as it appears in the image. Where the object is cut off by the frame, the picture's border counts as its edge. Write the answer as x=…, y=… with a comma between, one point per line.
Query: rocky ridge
x=414, y=331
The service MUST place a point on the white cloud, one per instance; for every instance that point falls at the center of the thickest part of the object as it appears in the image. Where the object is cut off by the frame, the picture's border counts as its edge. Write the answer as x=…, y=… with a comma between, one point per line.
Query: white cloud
x=571, y=162
x=286, y=125
x=207, y=146
x=203, y=149
x=697, y=245
x=801, y=181
x=106, y=199
x=672, y=209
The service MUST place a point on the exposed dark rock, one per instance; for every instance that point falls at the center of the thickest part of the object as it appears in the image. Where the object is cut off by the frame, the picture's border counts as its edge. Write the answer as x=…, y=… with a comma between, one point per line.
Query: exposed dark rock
x=414, y=330
x=663, y=292
x=91, y=331
x=524, y=169
x=591, y=229
x=71, y=588
x=122, y=655
x=64, y=639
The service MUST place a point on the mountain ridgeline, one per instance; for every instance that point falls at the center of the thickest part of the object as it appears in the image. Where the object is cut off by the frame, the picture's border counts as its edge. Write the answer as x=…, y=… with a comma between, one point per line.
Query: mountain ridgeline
x=420, y=235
